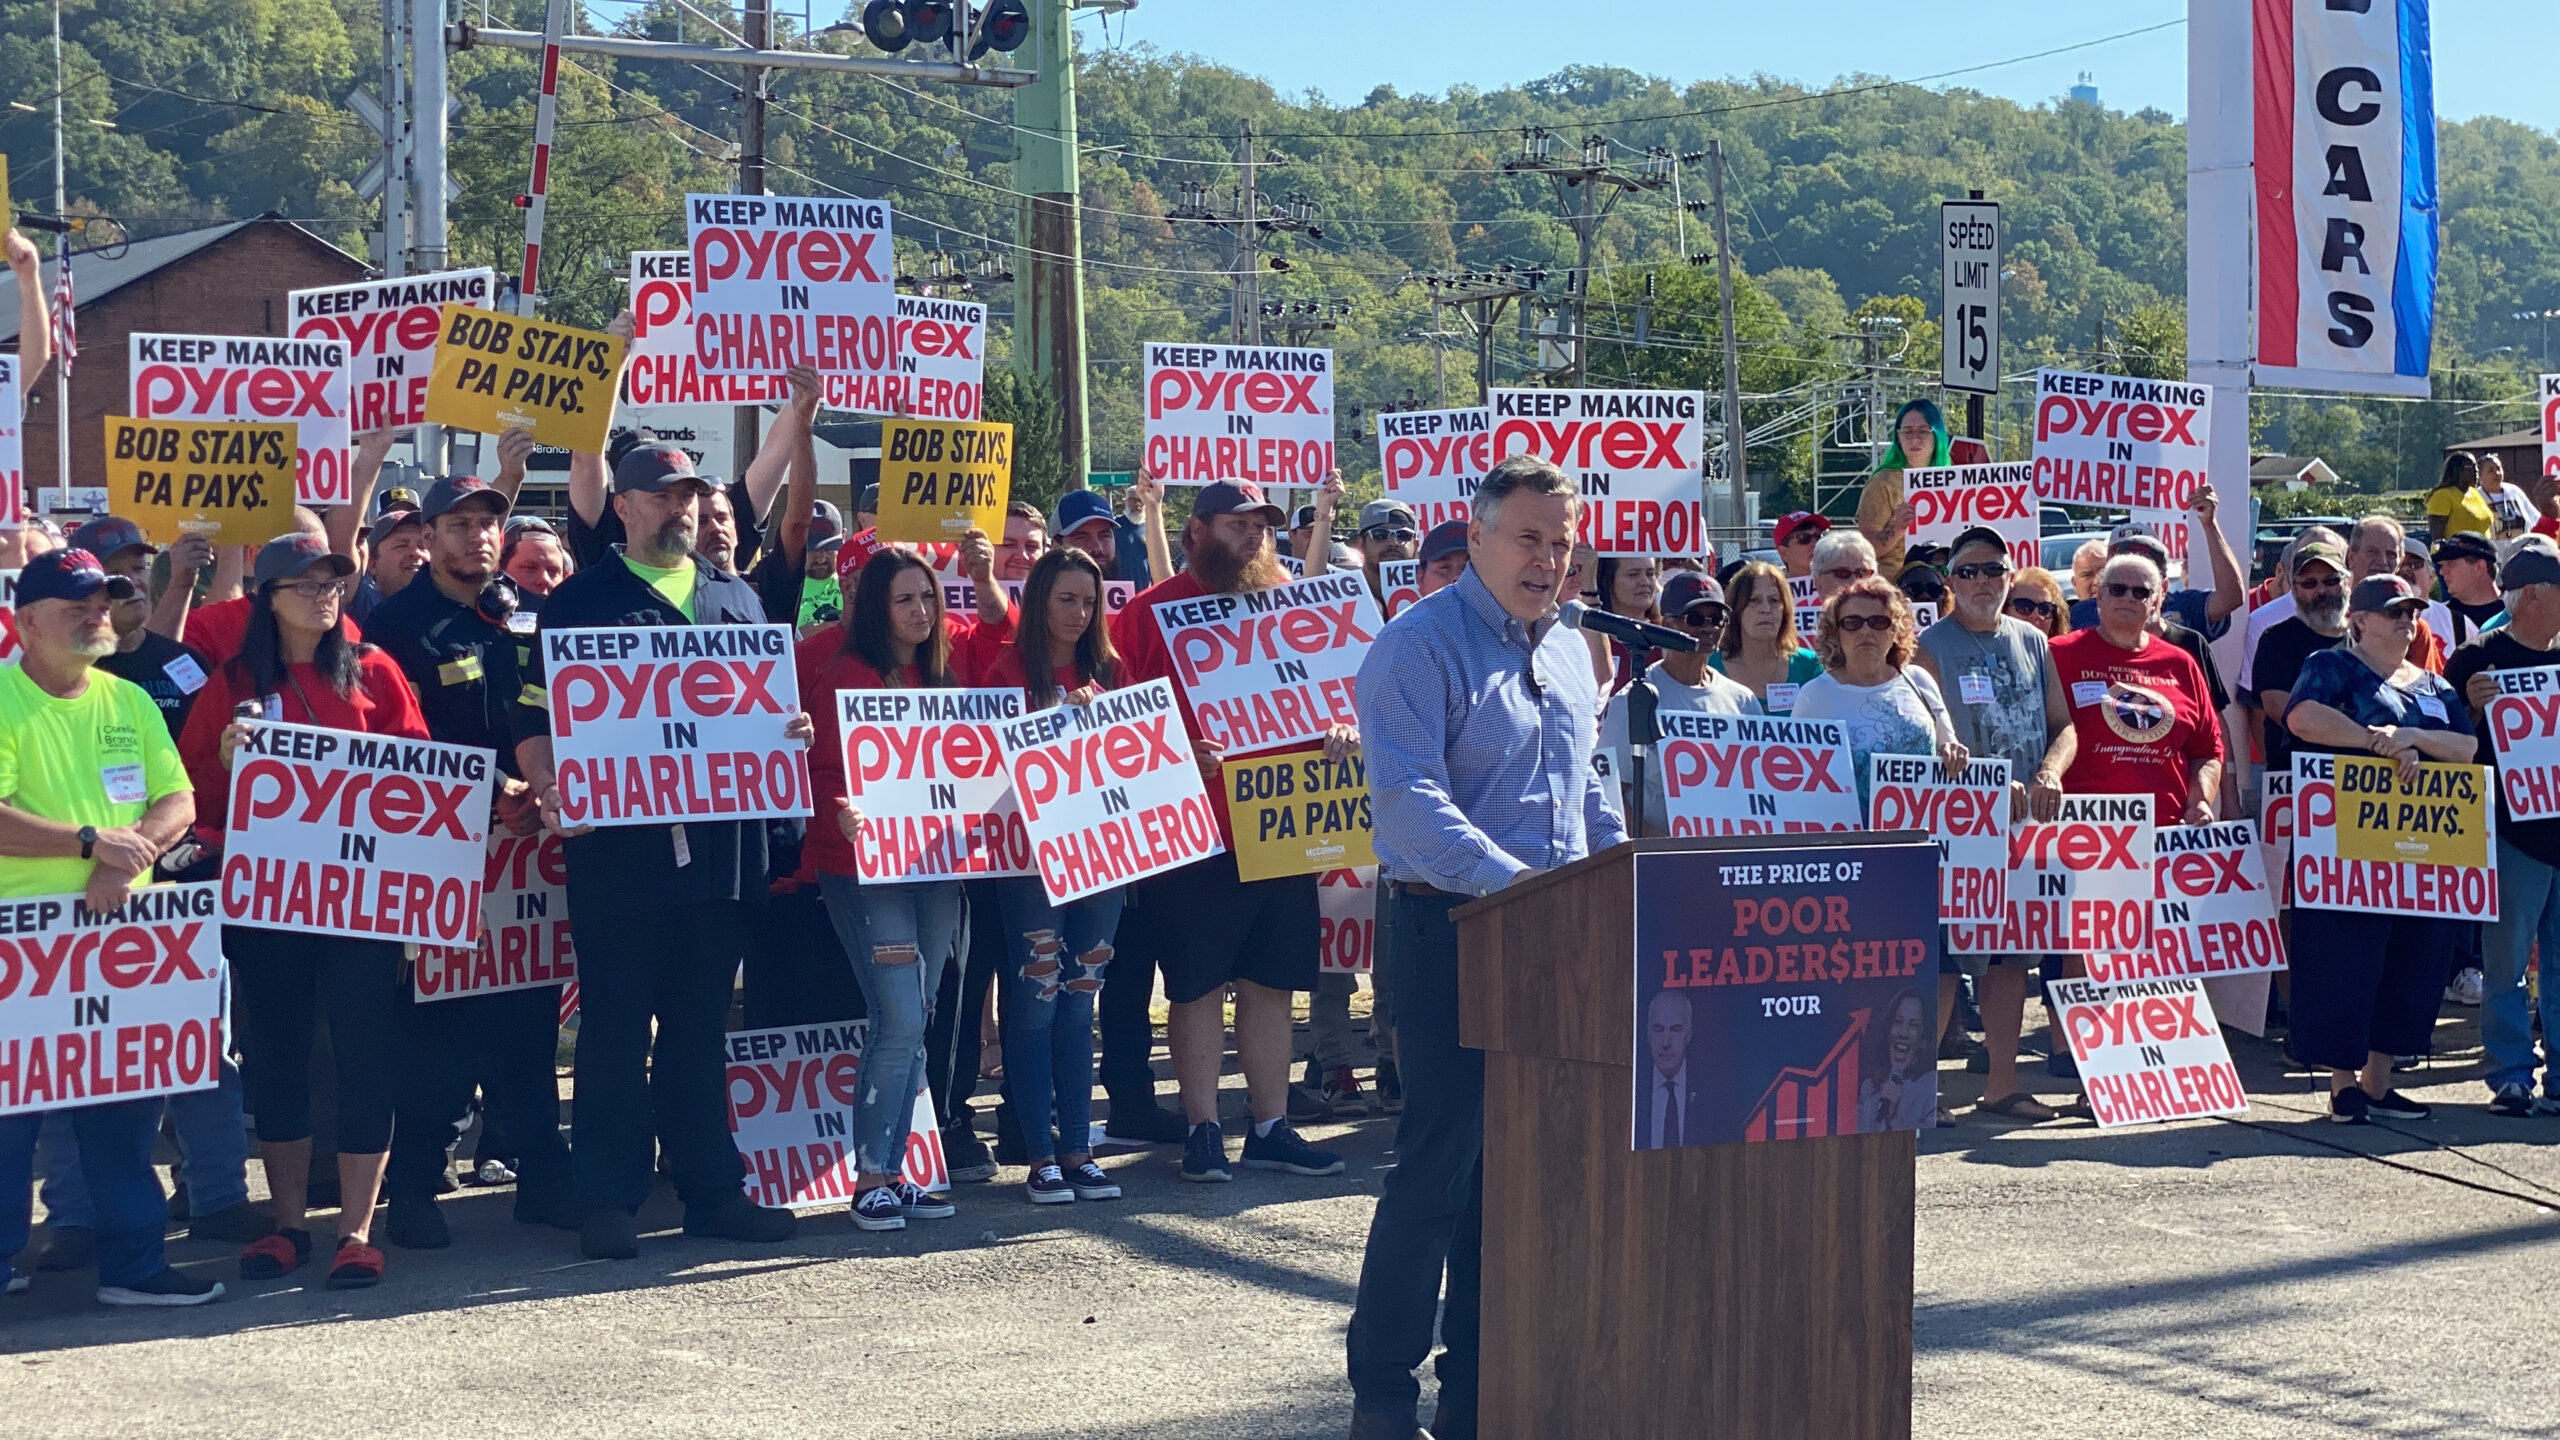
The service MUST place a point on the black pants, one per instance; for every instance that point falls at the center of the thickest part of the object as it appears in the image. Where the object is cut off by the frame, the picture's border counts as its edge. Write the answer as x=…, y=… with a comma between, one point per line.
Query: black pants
x=281, y=982
x=1430, y=1219
x=952, y=1052
x=797, y=972
x=501, y=1045
x=1128, y=1034
x=674, y=965
x=2364, y=983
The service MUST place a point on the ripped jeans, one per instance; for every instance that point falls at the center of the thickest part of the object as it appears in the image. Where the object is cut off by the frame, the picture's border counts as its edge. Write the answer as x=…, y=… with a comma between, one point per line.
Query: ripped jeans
x=922, y=922
x=1058, y=957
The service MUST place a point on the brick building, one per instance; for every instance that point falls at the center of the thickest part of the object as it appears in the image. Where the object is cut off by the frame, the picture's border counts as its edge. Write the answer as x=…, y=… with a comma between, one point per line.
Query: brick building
x=226, y=279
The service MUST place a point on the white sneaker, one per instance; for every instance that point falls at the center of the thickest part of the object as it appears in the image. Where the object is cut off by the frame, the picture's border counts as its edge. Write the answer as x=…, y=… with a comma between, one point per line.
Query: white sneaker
x=880, y=1209
x=2467, y=987
x=494, y=1172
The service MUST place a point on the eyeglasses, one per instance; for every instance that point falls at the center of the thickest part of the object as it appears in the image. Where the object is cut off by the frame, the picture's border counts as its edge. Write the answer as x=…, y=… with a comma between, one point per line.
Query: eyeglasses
x=310, y=589
x=2116, y=591
x=1844, y=576
x=2029, y=608
x=1983, y=570
x=1389, y=532
x=1703, y=618
x=1852, y=624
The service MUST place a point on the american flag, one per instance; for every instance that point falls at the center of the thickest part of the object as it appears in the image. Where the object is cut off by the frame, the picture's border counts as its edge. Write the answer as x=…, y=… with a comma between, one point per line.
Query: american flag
x=66, y=330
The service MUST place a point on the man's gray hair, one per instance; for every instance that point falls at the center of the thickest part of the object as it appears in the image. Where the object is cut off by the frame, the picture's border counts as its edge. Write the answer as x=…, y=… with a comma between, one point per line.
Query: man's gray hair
x=1521, y=475
x=2149, y=566
x=2399, y=532
x=1836, y=546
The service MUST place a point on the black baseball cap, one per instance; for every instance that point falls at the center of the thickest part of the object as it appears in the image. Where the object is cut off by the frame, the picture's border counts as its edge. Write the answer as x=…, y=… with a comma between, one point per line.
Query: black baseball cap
x=455, y=490
x=279, y=560
x=2376, y=593
x=1686, y=590
x=1236, y=497
x=2535, y=560
x=650, y=469
x=109, y=536
x=72, y=574
x=869, y=504
x=392, y=498
x=1449, y=537
x=2466, y=545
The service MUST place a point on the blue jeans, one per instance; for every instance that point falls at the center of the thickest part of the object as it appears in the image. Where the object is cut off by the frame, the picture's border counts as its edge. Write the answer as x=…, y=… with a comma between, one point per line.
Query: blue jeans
x=1059, y=958
x=213, y=1148
x=115, y=1153
x=2529, y=902
x=898, y=997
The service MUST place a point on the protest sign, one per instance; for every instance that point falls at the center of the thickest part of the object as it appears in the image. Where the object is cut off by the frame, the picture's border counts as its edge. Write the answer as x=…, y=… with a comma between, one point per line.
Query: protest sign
x=1946, y=502
x=119, y=1006
x=497, y=372
x=525, y=942
x=2079, y=882
x=2148, y=1051
x=1242, y=412
x=960, y=593
x=923, y=768
x=390, y=328
x=2439, y=818
x=942, y=359
x=1347, y=921
x=677, y=722
x=941, y=349
x=2550, y=386
x=2212, y=913
x=1968, y=817
x=941, y=479
x=1402, y=580
x=1434, y=459
x=1755, y=775
x=13, y=440
x=1297, y=814
x=2125, y=443
x=795, y=1095
x=780, y=281
x=2275, y=830
x=2524, y=725
x=335, y=832
x=1272, y=667
x=1109, y=791
x=302, y=383
x=662, y=370
x=1637, y=455
x=2324, y=879
x=228, y=481
x=9, y=647
x=1808, y=607
x=1784, y=994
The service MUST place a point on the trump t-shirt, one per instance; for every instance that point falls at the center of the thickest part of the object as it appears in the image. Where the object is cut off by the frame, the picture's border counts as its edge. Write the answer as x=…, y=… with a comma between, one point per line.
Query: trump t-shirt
x=2141, y=716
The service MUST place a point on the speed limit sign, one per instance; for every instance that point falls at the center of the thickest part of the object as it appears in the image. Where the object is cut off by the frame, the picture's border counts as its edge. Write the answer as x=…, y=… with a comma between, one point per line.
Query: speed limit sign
x=1969, y=233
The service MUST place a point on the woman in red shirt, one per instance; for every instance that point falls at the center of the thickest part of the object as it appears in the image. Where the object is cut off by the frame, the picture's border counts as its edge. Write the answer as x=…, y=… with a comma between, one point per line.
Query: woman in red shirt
x=1061, y=652
x=894, y=636
x=298, y=666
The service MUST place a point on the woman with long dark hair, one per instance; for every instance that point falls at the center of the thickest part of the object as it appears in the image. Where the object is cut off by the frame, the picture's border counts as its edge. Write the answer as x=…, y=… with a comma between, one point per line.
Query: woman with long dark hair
x=297, y=665
x=2458, y=505
x=898, y=933
x=1061, y=653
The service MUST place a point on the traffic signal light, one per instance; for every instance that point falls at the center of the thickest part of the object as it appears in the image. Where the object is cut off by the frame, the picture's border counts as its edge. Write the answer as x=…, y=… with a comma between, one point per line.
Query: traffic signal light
x=884, y=25
x=929, y=21
x=1002, y=26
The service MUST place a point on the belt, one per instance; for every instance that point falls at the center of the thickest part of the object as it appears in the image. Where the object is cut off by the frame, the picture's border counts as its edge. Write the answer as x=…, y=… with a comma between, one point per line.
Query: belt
x=1426, y=892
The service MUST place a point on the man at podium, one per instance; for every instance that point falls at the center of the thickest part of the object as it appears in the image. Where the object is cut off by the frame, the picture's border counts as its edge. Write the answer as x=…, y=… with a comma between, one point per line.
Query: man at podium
x=1480, y=712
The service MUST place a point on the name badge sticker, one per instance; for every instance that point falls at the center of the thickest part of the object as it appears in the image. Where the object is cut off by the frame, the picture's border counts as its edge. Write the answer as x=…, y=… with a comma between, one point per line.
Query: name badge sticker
x=124, y=784
x=185, y=673
x=1782, y=697
x=1976, y=688
x=2088, y=692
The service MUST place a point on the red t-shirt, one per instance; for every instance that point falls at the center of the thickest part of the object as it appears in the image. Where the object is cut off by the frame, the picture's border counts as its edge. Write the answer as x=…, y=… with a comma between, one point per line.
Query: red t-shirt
x=2142, y=717
x=380, y=704
x=218, y=630
x=824, y=668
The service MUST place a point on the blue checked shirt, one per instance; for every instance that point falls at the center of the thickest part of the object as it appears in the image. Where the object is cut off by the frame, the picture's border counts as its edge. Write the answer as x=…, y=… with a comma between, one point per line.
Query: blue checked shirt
x=1478, y=739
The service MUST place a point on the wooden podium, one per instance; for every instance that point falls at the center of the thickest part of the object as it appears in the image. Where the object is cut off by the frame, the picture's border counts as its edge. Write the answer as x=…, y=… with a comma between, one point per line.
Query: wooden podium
x=1733, y=1292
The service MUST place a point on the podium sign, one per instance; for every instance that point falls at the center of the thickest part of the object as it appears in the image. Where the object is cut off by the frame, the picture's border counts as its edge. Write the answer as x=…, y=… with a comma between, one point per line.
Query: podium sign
x=1784, y=994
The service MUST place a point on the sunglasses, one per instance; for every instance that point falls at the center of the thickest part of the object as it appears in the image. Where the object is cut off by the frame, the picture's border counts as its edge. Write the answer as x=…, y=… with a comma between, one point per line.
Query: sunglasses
x=1707, y=617
x=1983, y=570
x=1802, y=537
x=1385, y=532
x=1845, y=576
x=2116, y=591
x=2026, y=608
x=2332, y=583
x=1852, y=624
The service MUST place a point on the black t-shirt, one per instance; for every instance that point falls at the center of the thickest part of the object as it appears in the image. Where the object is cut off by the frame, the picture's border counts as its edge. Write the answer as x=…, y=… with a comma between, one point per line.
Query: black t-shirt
x=169, y=672
x=468, y=672
x=2281, y=652
x=2468, y=619
x=589, y=544
x=779, y=584
x=2501, y=650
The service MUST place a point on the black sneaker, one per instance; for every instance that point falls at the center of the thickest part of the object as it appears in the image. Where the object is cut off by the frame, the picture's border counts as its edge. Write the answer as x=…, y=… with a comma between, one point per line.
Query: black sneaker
x=1144, y=1122
x=1048, y=1186
x=2396, y=1106
x=880, y=1209
x=1390, y=1088
x=1281, y=1149
x=67, y=1247
x=1306, y=1104
x=170, y=1287
x=923, y=1204
x=735, y=1217
x=965, y=1155
x=1204, y=1155
x=238, y=1223
x=2351, y=1106
x=2512, y=1099
x=1092, y=1182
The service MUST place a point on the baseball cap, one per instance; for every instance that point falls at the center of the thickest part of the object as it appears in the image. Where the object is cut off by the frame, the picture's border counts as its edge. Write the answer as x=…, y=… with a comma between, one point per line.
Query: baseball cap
x=1687, y=590
x=1979, y=535
x=1795, y=520
x=2321, y=551
x=2135, y=538
x=1343, y=557
x=1236, y=497
x=1385, y=512
x=1078, y=508
x=2465, y=545
x=454, y=490
x=1449, y=537
x=109, y=536
x=869, y=504
x=1304, y=517
x=279, y=559
x=2535, y=560
x=652, y=468
x=394, y=497
x=72, y=574
x=826, y=526
x=2382, y=592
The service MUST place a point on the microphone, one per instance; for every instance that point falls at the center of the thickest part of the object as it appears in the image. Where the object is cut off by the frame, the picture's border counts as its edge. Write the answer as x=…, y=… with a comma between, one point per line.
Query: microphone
x=1635, y=634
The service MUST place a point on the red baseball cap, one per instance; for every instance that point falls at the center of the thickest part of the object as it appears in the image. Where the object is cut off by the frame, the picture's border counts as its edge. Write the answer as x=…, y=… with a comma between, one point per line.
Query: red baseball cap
x=1796, y=520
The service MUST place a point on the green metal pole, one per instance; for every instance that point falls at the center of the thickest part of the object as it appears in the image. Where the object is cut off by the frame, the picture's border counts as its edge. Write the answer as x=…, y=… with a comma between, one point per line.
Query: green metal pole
x=1048, y=324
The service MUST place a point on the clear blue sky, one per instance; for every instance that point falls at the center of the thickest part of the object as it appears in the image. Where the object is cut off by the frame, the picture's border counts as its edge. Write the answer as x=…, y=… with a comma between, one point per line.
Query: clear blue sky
x=2486, y=50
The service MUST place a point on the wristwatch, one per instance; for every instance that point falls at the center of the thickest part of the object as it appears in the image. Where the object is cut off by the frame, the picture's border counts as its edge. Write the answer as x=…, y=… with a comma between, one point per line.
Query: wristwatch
x=88, y=841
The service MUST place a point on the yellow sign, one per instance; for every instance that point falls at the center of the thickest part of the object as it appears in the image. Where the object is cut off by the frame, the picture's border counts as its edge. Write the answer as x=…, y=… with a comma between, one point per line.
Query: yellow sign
x=8, y=212
x=497, y=372
x=940, y=479
x=2440, y=819
x=229, y=480
x=1298, y=814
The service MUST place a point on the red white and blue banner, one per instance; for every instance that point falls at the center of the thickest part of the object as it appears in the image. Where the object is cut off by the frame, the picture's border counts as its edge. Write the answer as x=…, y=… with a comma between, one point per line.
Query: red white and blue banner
x=2344, y=143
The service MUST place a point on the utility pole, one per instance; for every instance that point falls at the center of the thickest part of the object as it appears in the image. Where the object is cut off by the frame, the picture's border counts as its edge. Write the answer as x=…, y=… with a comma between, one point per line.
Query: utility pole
x=1479, y=297
x=1735, y=449
x=1048, y=321
x=395, y=112
x=1580, y=191
x=1247, y=300
x=426, y=112
x=1250, y=221
x=62, y=268
x=756, y=29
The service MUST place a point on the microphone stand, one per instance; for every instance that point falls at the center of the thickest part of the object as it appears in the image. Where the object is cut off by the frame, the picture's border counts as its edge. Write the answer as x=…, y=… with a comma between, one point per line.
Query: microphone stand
x=1644, y=727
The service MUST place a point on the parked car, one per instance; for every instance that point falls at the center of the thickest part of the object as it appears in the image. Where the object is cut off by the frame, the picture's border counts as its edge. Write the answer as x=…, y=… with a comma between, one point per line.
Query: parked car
x=2056, y=551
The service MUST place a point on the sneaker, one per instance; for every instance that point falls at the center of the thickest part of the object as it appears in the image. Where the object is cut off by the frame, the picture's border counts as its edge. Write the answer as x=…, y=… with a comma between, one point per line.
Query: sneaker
x=357, y=1266
x=735, y=1217
x=237, y=1223
x=880, y=1209
x=1306, y=1104
x=965, y=1155
x=1204, y=1155
x=1281, y=1149
x=1048, y=1186
x=923, y=1204
x=68, y=1247
x=2396, y=1106
x=2468, y=983
x=273, y=1255
x=1092, y=1182
x=1144, y=1122
x=1342, y=1093
x=493, y=1172
x=1390, y=1088
x=2351, y=1106
x=13, y=1282
x=2512, y=1099
x=170, y=1287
